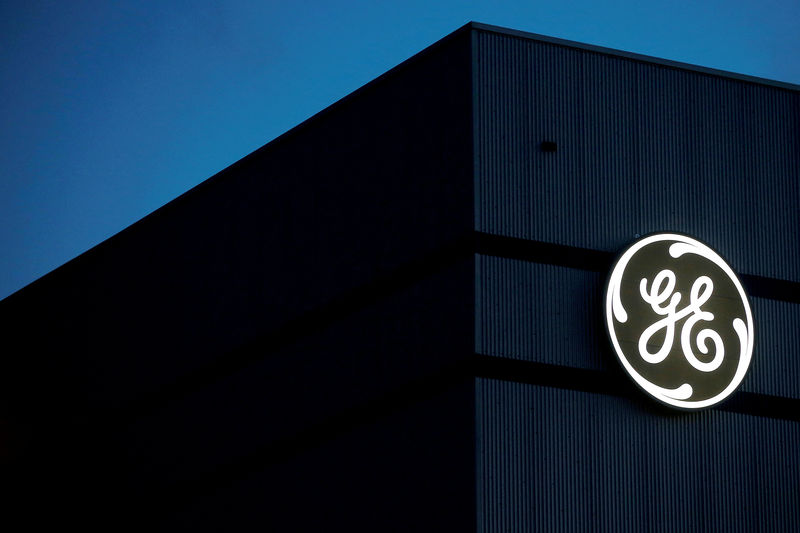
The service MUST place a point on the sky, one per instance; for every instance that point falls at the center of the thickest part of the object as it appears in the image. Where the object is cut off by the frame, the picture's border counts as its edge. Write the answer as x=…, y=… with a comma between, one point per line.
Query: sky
x=108, y=110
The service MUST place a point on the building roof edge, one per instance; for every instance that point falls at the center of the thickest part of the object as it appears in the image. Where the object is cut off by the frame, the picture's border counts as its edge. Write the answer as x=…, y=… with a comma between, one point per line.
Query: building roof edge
x=633, y=56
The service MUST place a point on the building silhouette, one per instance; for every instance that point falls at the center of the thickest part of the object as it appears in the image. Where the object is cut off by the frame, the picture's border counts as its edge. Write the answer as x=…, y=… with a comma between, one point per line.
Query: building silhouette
x=389, y=318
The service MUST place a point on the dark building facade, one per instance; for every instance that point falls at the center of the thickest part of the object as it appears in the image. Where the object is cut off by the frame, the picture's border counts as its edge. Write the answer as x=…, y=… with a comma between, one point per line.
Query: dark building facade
x=389, y=318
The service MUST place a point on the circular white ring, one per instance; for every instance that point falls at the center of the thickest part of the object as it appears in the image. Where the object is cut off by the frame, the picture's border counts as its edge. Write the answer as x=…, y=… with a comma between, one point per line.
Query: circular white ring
x=613, y=308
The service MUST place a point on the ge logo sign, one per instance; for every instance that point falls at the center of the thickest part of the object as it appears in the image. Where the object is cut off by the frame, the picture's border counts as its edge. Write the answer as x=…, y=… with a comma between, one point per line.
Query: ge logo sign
x=679, y=320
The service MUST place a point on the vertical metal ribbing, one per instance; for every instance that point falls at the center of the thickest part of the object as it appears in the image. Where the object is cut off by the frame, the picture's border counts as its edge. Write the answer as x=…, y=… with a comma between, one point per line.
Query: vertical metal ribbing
x=641, y=147
x=540, y=313
x=572, y=461
x=776, y=361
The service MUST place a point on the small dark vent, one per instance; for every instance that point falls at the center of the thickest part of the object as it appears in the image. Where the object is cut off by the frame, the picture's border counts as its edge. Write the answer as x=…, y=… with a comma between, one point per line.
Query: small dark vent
x=549, y=146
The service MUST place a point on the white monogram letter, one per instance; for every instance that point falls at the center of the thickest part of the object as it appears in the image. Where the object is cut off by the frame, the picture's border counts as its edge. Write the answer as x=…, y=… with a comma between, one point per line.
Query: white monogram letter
x=699, y=294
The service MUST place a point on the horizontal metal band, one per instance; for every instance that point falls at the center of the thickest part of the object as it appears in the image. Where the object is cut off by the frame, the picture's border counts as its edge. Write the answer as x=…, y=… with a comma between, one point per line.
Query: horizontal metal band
x=600, y=261
x=615, y=384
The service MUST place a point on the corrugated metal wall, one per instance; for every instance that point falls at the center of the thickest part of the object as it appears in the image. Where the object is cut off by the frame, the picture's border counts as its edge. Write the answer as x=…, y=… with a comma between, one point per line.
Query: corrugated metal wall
x=562, y=460
x=641, y=147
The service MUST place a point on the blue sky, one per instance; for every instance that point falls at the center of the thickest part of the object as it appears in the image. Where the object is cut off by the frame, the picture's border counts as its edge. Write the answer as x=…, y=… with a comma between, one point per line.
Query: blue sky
x=111, y=109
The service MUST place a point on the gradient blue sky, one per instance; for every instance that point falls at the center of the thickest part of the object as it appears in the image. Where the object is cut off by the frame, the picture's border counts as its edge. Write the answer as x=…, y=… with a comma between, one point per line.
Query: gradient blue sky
x=111, y=109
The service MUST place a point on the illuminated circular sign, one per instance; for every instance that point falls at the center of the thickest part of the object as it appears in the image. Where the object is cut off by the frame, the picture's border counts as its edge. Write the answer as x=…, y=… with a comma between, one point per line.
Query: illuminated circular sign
x=679, y=320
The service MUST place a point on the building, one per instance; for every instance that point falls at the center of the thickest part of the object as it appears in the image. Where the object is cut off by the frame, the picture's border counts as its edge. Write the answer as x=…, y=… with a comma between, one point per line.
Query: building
x=389, y=318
